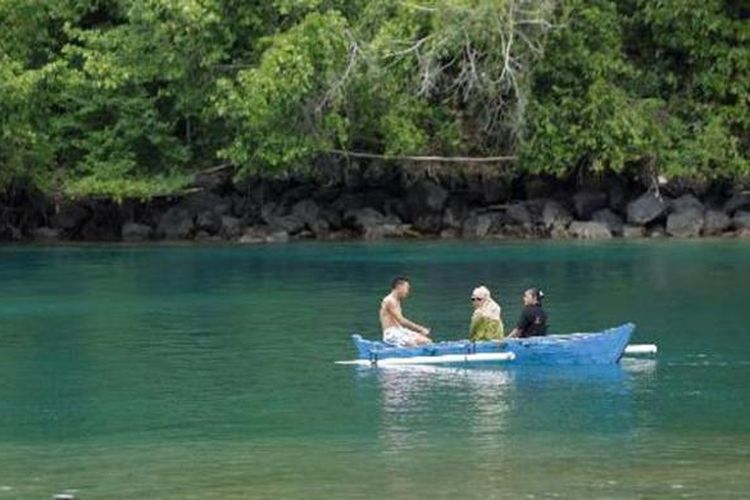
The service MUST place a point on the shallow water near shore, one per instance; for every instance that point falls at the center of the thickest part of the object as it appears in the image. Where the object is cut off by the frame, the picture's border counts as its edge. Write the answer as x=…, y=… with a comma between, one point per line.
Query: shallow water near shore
x=207, y=372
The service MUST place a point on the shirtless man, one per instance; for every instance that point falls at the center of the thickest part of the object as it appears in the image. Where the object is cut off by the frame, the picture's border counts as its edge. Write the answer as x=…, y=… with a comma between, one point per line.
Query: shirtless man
x=398, y=330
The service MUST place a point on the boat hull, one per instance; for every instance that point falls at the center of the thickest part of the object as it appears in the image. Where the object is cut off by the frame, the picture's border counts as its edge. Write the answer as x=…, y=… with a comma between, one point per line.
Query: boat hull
x=599, y=348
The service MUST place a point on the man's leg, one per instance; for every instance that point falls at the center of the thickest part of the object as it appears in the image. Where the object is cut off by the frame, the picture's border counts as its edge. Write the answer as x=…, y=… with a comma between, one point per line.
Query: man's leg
x=420, y=339
x=409, y=338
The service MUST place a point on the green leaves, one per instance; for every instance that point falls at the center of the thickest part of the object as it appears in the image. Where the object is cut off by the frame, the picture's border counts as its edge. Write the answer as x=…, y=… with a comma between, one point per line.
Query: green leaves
x=127, y=97
x=122, y=93
x=280, y=108
x=653, y=84
x=21, y=142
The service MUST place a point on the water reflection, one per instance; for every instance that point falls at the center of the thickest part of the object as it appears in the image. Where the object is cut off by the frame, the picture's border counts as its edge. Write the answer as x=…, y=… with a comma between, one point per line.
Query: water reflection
x=426, y=410
x=488, y=405
x=480, y=397
x=645, y=368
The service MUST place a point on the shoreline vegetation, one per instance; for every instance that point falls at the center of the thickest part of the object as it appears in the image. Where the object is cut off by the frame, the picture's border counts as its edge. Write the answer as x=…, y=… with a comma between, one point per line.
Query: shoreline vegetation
x=341, y=119
x=379, y=201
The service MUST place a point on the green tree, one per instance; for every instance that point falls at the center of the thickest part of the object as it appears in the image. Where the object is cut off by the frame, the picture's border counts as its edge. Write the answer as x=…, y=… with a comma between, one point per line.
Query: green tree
x=661, y=85
x=284, y=109
x=130, y=97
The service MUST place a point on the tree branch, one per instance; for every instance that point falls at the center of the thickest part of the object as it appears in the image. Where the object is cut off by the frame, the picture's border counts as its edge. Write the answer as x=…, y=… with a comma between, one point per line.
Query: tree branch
x=436, y=159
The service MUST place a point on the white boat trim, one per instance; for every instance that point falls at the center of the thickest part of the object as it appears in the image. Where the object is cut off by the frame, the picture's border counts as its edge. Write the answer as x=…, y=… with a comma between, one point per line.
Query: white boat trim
x=434, y=360
x=633, y=349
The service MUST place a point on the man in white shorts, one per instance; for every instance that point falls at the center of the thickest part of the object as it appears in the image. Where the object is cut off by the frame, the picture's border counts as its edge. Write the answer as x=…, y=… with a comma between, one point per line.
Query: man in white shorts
x=397, y=330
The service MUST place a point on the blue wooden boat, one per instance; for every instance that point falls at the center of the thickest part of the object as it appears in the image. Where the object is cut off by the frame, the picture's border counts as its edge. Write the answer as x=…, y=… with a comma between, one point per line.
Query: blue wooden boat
x=599, y=348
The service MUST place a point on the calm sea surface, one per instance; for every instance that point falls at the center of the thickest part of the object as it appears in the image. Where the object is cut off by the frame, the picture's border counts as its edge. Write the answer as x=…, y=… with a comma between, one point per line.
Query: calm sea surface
x=183, y=372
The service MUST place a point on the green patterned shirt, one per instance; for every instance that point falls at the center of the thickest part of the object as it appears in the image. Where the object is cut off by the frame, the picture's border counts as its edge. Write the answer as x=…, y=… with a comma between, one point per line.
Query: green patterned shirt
x=484, y=328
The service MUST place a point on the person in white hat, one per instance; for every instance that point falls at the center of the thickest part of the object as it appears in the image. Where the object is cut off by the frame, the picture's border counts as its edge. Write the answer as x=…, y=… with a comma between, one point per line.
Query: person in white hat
x=486, y=323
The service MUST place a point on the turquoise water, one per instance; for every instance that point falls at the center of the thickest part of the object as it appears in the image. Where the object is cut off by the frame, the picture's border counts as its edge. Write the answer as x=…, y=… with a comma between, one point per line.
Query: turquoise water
x=207, y=372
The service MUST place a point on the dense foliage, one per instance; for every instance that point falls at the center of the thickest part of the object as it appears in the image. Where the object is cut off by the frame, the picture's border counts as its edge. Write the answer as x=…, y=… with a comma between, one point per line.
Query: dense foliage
x=128, y=97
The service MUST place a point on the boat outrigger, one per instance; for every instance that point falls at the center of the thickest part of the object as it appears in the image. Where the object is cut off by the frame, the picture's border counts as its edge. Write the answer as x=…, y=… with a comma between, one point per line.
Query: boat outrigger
x=605, y=347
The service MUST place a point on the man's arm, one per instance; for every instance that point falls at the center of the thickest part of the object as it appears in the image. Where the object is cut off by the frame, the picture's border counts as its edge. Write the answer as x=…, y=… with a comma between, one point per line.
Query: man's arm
x=395, y=310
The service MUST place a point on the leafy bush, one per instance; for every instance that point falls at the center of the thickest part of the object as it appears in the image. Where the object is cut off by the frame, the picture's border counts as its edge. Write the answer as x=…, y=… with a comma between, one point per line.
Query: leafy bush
x=129, y=97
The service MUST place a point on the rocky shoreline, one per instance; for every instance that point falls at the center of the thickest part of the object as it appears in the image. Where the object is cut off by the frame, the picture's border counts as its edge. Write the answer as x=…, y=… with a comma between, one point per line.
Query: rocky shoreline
x=386, y=203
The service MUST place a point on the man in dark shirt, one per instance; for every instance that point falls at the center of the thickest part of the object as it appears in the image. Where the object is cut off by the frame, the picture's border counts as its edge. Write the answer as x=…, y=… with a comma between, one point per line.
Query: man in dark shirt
x=533, y=320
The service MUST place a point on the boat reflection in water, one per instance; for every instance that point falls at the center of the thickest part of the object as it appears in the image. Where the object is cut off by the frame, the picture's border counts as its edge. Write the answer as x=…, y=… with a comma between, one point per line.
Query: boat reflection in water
x=452, y=424
x=414, y=394
x=487, y=405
